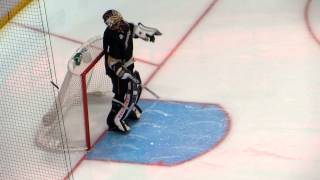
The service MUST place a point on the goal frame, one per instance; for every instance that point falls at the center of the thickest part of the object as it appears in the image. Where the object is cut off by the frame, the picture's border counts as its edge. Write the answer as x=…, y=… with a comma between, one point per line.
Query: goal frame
x=85, y=99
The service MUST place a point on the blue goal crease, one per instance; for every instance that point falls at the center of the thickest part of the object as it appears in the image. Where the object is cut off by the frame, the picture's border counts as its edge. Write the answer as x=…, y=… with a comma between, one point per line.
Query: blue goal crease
x=168, y=133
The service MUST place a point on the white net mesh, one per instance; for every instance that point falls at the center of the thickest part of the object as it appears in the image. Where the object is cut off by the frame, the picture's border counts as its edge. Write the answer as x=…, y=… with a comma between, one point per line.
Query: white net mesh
x=89, y=62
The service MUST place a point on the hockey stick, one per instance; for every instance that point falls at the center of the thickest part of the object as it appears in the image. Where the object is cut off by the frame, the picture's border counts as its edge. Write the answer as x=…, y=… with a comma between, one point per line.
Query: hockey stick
x=150, y=91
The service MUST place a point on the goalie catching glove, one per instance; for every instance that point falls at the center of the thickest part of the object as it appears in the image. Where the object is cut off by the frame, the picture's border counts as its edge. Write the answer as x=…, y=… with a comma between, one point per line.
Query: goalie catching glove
x=124, y=73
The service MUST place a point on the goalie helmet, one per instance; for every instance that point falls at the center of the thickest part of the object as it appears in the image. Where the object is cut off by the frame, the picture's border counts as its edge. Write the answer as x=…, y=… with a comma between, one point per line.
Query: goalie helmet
x=112, y=17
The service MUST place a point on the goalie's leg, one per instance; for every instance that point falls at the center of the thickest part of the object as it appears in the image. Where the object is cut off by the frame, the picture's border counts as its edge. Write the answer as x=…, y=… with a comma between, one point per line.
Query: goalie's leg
x=120, y=104
x=124, y=104
x=136, y=90
x=117, y=116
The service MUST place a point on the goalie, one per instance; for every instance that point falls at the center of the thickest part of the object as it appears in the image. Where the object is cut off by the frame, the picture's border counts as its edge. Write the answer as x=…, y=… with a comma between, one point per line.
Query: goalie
x=119, y=63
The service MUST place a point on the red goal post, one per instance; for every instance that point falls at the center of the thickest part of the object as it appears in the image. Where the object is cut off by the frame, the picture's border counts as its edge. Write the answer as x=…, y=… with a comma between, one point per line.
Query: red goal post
x=85, y=98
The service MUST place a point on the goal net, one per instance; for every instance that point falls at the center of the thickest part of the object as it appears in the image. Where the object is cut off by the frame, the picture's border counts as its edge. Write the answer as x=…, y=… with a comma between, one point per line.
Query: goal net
x=84, y=100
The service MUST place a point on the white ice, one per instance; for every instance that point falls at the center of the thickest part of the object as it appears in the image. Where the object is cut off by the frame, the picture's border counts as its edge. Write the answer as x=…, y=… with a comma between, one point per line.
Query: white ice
x=256, y=59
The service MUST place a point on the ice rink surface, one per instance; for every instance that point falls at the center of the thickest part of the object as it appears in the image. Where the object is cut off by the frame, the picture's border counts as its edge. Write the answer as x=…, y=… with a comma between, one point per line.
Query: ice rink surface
x=259, y=60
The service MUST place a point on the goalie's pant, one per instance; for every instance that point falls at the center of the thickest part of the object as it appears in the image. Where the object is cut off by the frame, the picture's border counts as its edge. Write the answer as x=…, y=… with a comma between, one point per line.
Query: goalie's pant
x=124, y=104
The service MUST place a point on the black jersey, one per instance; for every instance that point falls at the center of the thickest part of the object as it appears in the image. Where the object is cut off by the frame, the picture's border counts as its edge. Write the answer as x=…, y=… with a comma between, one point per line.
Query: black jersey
x=118, y=43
